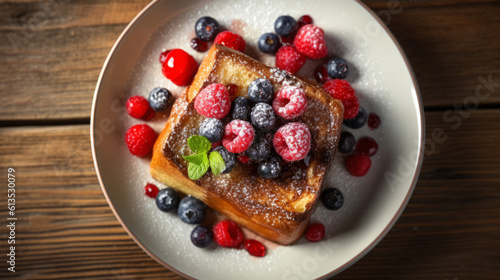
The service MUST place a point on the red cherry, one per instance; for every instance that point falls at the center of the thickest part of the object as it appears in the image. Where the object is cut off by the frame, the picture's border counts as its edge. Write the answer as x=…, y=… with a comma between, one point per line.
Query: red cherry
x=179, y=67
x=321, y=75
x=305, y=19
x=233, y=89
x=163, y=56
x=199, y=45
x=315, y=232
x=255, y=248
x=367, y=146
x=373, y=121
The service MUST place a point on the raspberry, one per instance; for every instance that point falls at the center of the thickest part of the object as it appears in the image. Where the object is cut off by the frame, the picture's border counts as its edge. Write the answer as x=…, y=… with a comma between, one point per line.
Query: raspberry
x=310, y=41
x=315, y=232
x=292, y=141
x=151, y=190
x=255, y=248
x=140, y=139
x=321, y=75
x=213, y=101
x=231, y=40
x=138, y=107
x=228, y=234
x=358, y=164
x=238, y=136
x=339, y=89
x=351, y=108
x=179, y=67
x=373, y=121
x=367, y=146
x=288, y=59
x=290, y=102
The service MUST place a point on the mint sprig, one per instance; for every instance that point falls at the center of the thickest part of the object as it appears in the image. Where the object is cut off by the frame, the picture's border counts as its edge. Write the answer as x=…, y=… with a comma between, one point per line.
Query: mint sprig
x=200, y=161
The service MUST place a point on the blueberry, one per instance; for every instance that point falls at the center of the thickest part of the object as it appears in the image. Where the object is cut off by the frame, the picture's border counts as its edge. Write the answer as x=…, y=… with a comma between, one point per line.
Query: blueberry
x=228, y=157
x=332, y=199
x=285, y=25
x=241, y=108
x=261, y=148
x=263, y=117
x=206, y=28
x=337, y=68
x=346, y=142
x=201, y=236
x=270, y=168
x=213, y=129
x=167, y=199
x=269, y=43
x=160, y=99
x=191, y=210
x=261, y=90
x=359, y=120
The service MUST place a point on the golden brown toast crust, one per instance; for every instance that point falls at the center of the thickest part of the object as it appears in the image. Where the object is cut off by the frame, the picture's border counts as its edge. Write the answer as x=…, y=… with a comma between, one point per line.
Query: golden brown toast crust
x=278, y=209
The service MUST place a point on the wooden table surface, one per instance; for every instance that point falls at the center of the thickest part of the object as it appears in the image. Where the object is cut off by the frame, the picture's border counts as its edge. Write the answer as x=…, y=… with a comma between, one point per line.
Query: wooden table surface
x=51, y=53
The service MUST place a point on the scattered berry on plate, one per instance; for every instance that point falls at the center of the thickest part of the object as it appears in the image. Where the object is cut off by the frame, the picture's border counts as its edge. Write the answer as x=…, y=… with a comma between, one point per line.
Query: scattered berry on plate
x=138, y=107
x=201, y=236
x=269, y=43
x=292, y=141
x=238, y=136
x=359, y=120
x=243, y=158
x=290, y=102
x=315, y=232
x=373, y=121
x=255, y=248
x=212, y=129
x=228, y=234
x=289, y=59
x=303, y=20
x=231, y=40
x=191, y=210
x=337, y=68
x=206, y=28
x=179, y=67
x=167, y=199
x=346, y=142
x=321, y=74
x=261, y=148
x=351, y=108
x=341, y=89
x=233, y=89
x=332, y=199
x=260, y=90
x=285, y=26
x=228, y=157
x=263, y=117
x=213, y=101
x=310, y=41
x=160, y=99
x=241, y=108
x=358, y=164
x=151, y=190
x=163, y=55
x=270, y=168
x=140, y=139
x=198, y=45
x=367, y=146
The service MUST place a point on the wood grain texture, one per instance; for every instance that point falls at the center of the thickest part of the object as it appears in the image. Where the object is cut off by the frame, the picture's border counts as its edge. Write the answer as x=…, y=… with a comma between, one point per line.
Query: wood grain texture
x=66, y=229
x=51, y=54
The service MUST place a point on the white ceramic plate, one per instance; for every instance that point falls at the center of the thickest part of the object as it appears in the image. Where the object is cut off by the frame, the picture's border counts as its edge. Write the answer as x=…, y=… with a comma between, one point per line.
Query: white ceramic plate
x=384, y=83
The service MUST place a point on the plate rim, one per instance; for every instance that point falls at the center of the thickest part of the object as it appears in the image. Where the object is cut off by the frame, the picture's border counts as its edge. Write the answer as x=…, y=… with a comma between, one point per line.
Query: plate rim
x=353, y=260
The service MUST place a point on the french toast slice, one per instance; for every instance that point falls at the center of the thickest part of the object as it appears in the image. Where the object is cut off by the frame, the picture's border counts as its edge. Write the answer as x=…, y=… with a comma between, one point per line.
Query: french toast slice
x=278, y=209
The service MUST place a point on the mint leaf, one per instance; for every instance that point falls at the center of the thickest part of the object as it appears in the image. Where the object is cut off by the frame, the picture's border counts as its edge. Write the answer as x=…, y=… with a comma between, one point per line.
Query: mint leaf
x=216, y=163
x=198, y=165
x=199, y=144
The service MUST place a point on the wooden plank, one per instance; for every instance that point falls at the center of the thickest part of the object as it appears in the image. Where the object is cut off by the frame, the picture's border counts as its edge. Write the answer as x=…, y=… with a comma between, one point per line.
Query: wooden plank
x=66, y=229
x=52, y=71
